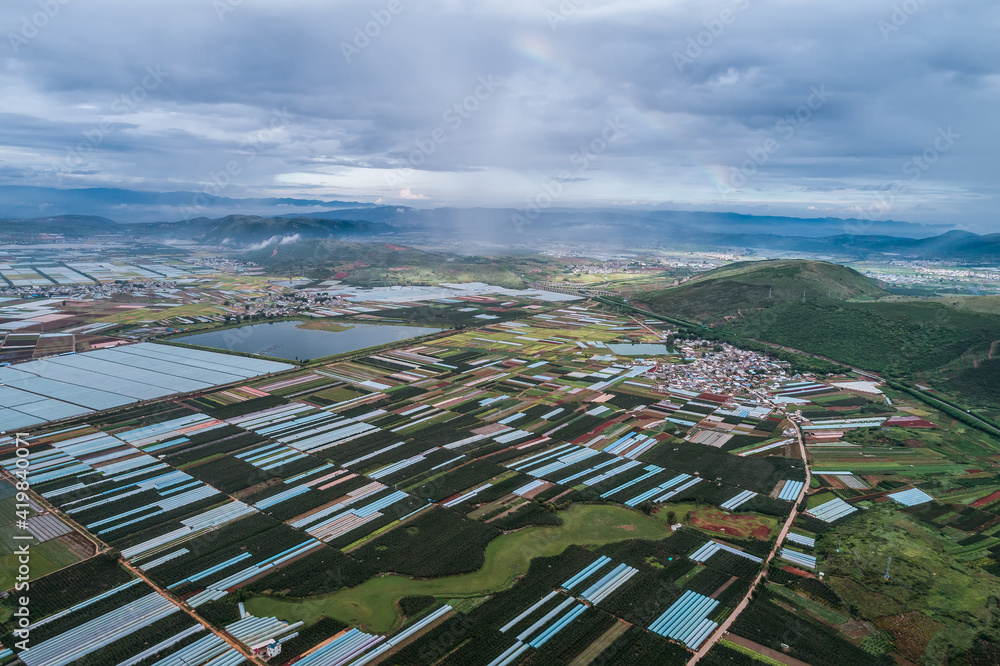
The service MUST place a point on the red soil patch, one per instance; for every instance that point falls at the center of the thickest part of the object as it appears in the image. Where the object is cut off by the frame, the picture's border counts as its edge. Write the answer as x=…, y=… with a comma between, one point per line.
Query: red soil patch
x=983, y=501
x=563, y=493
x=715, y=595
x=912, y=632
x=797, y=572
x=732, y=526
x=909, y=422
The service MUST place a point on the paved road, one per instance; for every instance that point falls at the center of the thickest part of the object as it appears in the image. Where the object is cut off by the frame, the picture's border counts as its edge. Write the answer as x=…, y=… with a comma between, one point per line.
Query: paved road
x=724, y=627
x=102, y=547
x=236, y=645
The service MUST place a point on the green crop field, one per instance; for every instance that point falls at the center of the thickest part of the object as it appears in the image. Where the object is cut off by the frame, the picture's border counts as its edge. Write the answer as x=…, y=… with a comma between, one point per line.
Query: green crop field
x=923, y=577
x=373, y=604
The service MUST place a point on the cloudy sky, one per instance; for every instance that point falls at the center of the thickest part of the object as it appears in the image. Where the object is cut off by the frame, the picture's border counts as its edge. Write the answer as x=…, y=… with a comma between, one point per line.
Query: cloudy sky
x=885, y=108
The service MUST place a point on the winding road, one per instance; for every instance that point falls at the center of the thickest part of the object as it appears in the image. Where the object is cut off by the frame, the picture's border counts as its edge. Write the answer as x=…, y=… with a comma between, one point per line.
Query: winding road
x=724, y=627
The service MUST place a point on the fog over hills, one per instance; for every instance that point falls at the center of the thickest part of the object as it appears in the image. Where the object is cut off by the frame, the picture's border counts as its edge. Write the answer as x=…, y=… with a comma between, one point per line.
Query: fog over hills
x=219, y=221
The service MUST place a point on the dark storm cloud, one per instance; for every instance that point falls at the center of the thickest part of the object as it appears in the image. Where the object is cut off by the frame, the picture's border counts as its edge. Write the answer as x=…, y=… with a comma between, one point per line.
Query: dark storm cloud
x=753, y=105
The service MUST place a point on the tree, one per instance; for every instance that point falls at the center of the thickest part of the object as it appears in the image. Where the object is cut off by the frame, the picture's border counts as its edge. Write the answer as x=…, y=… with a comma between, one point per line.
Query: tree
x=671, y=517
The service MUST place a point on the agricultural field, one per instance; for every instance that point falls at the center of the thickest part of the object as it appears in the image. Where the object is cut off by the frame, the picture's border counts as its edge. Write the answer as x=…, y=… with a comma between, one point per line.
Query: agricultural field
x=55, y=543
x=509, y=492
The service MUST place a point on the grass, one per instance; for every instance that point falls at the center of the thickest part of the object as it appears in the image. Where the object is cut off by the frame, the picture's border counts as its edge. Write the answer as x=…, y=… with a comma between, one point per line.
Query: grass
x=331, y=326
x=686, y=578
x=756, y=656
x=818, y=609
x=987, y=304
x=744, y=286
x=373, y=604
x=40, y=566
x=600, y=644
x=925, y=577
x=814, y=501
x=57, y=552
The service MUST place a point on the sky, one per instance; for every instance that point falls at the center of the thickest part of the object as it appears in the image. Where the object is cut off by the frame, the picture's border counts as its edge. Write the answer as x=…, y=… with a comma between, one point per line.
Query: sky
x=857, y=108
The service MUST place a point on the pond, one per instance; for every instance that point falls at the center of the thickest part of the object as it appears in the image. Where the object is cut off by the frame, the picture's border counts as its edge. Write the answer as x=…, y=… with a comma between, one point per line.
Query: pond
x=640, y=349
x=284, y=339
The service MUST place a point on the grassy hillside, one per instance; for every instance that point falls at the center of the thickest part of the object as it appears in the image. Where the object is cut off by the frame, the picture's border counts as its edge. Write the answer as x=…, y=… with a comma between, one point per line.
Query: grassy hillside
x=896, y=338
x=376, y=264
x=987, y=304
x=734, y=290
x=979, y=381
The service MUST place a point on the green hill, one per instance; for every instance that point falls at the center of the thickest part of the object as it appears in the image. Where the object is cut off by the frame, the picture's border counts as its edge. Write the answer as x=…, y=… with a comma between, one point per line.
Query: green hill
x=900, y=339
x=948, y=343
x=741, y=288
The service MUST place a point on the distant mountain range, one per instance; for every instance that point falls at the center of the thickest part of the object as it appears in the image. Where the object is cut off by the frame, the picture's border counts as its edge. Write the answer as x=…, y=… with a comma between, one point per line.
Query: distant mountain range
x=22, y=202
x=108, y=211
x=253, y=230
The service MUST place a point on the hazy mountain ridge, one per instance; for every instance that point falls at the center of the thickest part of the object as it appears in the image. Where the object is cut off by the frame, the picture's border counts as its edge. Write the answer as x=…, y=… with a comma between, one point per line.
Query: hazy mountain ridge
x=134, y=206
x=254, y=229
x=82, y=212
x=375, y=264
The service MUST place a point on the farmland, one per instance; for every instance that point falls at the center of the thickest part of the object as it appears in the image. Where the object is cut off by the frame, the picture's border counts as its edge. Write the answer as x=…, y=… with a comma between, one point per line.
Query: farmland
x=373, y=605
x=420, y=497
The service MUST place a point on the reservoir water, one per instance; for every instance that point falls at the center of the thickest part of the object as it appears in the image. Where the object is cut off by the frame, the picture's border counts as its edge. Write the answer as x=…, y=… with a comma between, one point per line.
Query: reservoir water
x=284, y=339
x=641, y=349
